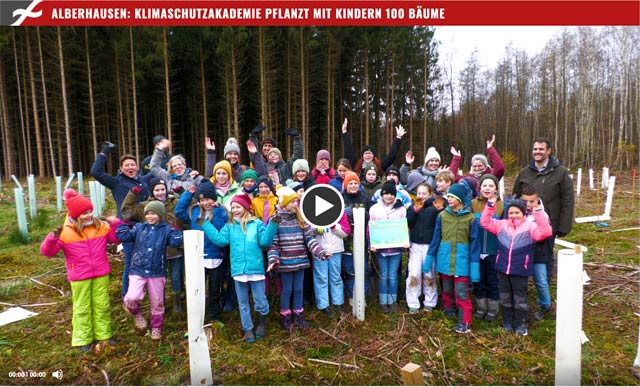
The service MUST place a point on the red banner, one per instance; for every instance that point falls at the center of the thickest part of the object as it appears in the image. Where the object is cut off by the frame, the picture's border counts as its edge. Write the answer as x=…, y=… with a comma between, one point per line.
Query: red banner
x=318, y=13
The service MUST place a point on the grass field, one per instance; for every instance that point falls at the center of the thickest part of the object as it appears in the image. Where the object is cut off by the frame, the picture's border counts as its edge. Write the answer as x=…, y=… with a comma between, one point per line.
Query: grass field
x=367, y=353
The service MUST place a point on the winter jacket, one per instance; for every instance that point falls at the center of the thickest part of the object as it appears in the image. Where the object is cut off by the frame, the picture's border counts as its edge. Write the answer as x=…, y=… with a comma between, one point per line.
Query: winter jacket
x=488, y=241
x=307, y=183
x=237, y=169
x=134, y=211
x=332, y=241
x=219, y=219
x=349, y=153
x=454, y=246
x=149, y=257
x=121, y=184
x=86, y=254
x=422, y=223
x=225, y=198
x=543, y=252
x=380, y=211
x=429, y=177
x=258, y=203
x=516, y=240
x=173, y=181
x=289, y=248
x=336, y=183
x=371, y=188
x=555, y=188
x=401, y=194
x=246, y=248
x=359, y=200
x=496, y=168
x=324, y=178
x=284, y=169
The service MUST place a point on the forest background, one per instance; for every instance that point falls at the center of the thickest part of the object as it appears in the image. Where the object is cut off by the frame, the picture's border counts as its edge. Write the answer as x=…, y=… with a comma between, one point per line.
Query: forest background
x=63, y=91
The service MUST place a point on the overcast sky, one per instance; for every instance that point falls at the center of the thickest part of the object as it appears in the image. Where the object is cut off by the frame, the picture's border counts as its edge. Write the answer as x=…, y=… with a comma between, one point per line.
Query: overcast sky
x=458, y=42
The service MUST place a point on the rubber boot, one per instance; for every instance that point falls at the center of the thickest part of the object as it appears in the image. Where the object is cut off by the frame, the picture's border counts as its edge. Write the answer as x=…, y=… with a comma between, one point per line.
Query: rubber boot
x=298, y=318
x=493, y=308
x=285, y=320
x=481, y=310
x=261, y=328
x=177, y=303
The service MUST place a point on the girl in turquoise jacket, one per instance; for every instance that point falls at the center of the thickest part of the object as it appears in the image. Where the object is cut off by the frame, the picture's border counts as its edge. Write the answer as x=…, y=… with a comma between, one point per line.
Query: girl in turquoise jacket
x=247, y=237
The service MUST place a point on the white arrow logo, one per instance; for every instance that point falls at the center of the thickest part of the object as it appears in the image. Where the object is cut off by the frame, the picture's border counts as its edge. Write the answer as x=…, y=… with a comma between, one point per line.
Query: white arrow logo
x=322, y=206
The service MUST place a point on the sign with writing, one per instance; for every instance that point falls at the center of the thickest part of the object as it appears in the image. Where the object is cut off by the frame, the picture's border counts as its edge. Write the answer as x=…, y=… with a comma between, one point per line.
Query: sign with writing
x=385, y=234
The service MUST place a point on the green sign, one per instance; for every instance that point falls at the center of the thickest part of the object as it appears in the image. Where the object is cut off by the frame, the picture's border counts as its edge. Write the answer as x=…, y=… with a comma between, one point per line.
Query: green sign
x=385, y=234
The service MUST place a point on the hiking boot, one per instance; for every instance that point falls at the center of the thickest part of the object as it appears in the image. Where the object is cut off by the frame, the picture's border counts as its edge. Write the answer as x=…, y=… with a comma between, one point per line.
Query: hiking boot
x=507, y=326
x=156, y=333
x=177, y=303
x=327, y=312
x=140, y=322
x=285, y=321
x=341, y=309
x=450, y=313
x=384, y=308
x=393, y=308
x=481, y=309
x=427, y=309
x=414, y=310
x=462, y=328
x=261, y=327
x=85, y=348
x=298, y=318
x=541, y=313
x=522, y=329
x=492, y=310
x=249, y=337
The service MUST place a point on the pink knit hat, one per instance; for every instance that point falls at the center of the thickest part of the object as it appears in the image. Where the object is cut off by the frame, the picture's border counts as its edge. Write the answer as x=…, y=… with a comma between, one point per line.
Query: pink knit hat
x=242, y=199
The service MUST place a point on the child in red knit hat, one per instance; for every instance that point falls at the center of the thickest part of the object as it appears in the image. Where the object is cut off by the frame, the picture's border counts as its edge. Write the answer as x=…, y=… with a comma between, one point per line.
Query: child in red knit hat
x=83, y=239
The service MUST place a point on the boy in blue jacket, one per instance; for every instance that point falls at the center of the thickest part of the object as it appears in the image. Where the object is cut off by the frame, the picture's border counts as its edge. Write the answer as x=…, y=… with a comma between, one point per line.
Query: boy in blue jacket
x=455, y=250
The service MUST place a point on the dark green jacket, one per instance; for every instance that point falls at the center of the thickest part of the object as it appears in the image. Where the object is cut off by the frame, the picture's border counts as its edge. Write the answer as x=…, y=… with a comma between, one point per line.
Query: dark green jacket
x=555, y=188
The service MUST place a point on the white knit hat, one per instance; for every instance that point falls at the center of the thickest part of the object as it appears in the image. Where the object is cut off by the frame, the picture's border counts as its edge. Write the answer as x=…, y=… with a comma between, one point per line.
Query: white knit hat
x=432, y=153
x=231, y=146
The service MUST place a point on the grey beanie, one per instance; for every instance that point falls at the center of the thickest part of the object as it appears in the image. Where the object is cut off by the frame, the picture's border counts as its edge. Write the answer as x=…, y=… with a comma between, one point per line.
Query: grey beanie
x=232, y=146
x=413, y=180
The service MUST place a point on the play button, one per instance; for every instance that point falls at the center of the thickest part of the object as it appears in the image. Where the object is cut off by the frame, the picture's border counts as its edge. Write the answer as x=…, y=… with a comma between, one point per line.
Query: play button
x=322, y=206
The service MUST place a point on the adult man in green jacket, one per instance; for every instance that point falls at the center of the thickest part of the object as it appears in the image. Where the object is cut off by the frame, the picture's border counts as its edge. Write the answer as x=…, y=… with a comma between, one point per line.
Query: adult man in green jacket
x=555, y=188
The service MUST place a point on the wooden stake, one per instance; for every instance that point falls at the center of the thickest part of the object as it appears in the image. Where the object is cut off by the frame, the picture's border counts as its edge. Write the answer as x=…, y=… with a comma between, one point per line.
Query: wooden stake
x=412, y=375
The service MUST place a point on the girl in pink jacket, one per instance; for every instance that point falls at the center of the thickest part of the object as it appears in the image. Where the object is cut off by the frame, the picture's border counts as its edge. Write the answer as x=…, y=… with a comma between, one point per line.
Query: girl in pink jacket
x=83, y=238
x=514, y=261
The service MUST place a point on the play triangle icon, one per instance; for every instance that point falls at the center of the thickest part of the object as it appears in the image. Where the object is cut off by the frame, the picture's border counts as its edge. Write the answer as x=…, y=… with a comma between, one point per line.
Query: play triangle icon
x=322, y=205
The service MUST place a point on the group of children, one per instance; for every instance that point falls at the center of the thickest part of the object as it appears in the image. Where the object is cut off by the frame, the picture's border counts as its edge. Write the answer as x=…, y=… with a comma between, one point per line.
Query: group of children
x=460, y=230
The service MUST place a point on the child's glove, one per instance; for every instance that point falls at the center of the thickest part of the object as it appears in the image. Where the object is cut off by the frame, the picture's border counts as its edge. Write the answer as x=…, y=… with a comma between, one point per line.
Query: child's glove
x=292, y=132
x=178, y=189
x=56, y=232
x=418, y=205
x=136, y=190
x=277, y=219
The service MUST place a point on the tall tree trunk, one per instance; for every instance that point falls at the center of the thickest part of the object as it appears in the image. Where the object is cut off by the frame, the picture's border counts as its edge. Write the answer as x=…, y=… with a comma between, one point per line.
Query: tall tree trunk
x=303, y=95
x=264, y=117
x=65, y=106
x=46, y=108
x=234, y=90
x=23, y=110
x=165, y=51
x=135, y=103
x=425, y=91
x=34, y=105
x=203, y=85
x=120, y=114
x=367, y=120
x=7, y=144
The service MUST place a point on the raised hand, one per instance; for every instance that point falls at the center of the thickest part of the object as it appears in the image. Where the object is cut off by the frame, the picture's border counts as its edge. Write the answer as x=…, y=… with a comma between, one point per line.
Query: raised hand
x=409, y=157
x=400, y=131
x=344, y=125
x=208, y=142
x=163, y=145
x=455, y=152
x=251, y=147
x=490, y=142
x=194, y=174
x=277, y=219
x=108, y=147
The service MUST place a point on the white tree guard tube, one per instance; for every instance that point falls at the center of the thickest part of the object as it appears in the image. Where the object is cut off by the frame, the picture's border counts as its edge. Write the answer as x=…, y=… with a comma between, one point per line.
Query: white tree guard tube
x=605, y=177
x=579, y=182
x=199, y=360
x=359, y=255
x=592, y=186
x=569, y=318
